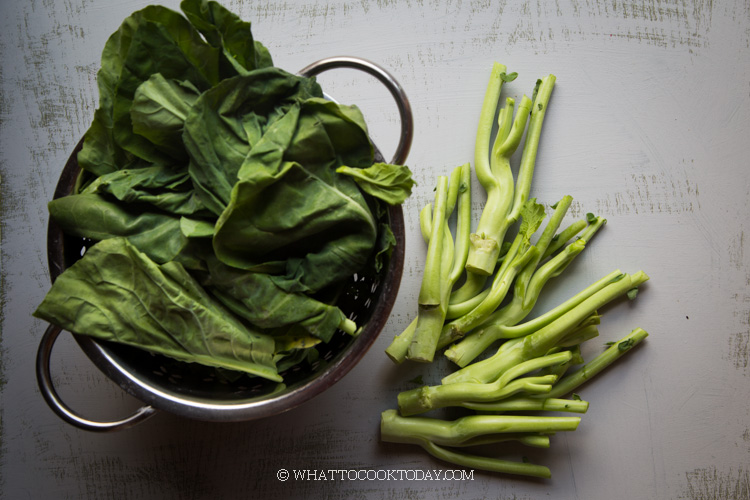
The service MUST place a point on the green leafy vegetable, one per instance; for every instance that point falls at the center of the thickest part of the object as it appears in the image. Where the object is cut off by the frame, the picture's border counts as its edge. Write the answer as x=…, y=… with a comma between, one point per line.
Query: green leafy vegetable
x=184, y=56
x=227, y=32
x=210, y=181
x=508, y=77
x=98, y=217
x=255, y=297
x=387, y=182
x=167, y=189
x=227, y=121
x=384, y=247
x=304, y=213
x=192, y=228
x=159, y=110
x=160, y=308
x=625, y=344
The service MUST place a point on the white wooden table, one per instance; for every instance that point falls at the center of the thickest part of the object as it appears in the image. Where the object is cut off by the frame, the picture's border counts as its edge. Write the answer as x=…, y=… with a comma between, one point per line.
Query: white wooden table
x=649, y=126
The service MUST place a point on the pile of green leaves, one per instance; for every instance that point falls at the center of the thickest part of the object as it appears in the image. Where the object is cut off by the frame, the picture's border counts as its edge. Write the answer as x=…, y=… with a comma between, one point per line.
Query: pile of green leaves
x=227, y=199
x=478, y=289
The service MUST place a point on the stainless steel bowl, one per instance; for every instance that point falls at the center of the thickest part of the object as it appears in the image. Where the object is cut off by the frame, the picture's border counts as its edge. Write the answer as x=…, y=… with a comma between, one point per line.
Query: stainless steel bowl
x=193, y=391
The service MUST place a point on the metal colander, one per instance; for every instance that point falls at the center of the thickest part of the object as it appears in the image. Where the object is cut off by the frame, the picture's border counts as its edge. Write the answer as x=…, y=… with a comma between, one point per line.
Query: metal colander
x=203, y=393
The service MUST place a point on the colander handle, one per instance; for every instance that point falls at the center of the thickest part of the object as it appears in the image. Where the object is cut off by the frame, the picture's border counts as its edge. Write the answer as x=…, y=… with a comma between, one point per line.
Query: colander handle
x=404, y=108
x=44, y=379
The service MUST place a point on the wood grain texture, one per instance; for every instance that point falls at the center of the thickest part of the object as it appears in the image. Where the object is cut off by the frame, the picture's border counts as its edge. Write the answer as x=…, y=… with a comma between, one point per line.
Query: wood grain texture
x=648, y=127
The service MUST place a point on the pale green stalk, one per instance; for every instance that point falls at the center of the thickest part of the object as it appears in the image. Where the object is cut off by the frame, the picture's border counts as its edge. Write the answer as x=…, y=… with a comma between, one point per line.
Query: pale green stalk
x=430, y=319
x=529, y=403
x=516, y=310
x=348, y=326
x=618, y=349
x=501, y=211
x=506, y=316
x=463, y=225
x=567, y=384
x=528, y=288
x=495, y=220
x=504, y=200
x=400, y=345
x=560, y=370
x=525, y=438
x=427, y=398
x=435, y=435
x=464, y=352
x=486, y=122
x=562, y=238
x=461, y=308
x=539, y=342
x=400, y=429
x=430, y=291
x=423, y=335
x=425, y=222
x=557, y=264
x=531, y=146
x=473, y=285
x=540, y=384
x=398, y=348
x=518, y=258
x=485, y=463
x=454, y=186
x=579, y=336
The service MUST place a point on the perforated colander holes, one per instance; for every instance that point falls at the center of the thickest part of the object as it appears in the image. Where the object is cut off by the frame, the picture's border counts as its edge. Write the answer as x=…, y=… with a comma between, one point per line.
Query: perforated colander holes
x=161, y=372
